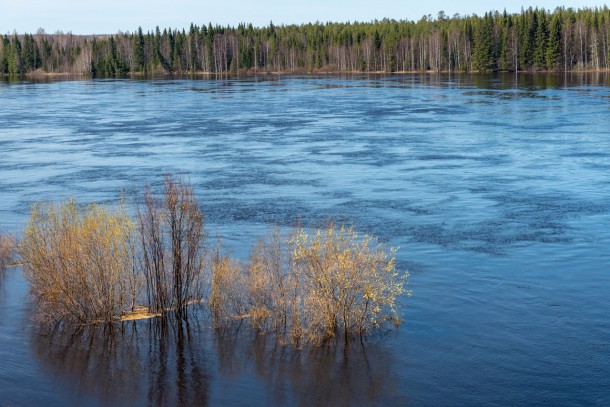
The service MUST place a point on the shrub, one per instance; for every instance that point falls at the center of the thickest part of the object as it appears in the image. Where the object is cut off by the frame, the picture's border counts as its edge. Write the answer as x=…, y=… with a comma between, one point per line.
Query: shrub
x=345, y=283
x=270, y=285
x=227, y=298
x=82, y=264
x=79, y=261
x=6, y=251
x=312, y=288
x=172, y=240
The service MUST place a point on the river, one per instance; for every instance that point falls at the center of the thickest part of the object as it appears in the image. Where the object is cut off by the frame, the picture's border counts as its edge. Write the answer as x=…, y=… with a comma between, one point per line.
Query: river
x=496, y=189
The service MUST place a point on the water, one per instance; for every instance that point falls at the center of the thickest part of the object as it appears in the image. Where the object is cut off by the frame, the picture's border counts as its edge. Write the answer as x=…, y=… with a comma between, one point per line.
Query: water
x=496, y=190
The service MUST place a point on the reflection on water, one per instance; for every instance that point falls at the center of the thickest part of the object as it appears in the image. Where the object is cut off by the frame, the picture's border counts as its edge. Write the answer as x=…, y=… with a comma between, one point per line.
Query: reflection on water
x=358, y=373
x=148, y=362
x=171, y=363
x=502, y=80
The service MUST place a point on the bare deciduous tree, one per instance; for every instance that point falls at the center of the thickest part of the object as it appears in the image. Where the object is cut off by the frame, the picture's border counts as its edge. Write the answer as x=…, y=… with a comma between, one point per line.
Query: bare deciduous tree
x=172, y=239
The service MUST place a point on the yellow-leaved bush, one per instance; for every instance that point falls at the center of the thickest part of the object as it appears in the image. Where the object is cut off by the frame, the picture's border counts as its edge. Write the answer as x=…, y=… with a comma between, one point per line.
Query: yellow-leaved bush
x=344, y=283
x=79, y=261
x=312, y=288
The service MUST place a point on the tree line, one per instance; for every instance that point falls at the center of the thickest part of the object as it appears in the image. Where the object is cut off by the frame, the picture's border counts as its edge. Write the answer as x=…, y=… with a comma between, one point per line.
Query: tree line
x=534, y=39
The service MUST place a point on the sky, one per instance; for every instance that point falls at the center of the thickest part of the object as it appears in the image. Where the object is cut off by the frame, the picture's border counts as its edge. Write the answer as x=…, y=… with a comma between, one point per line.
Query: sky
x=112, y=16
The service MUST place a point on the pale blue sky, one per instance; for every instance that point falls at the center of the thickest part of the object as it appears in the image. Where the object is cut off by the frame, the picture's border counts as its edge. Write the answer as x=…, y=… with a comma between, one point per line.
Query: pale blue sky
x=110, y=16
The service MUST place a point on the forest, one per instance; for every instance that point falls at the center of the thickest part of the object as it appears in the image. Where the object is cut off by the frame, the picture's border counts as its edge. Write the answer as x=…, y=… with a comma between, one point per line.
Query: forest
x=532, y=40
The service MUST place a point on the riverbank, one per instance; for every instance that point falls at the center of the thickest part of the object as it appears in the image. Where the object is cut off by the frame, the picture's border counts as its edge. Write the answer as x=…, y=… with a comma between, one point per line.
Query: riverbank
x=39, y=74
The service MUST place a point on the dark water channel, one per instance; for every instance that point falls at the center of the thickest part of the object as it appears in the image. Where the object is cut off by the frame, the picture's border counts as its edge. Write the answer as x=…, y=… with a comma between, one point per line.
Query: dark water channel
x=496, y=189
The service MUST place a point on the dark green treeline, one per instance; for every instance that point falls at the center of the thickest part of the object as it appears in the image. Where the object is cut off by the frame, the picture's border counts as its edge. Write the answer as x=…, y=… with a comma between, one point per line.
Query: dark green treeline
x=534, y=39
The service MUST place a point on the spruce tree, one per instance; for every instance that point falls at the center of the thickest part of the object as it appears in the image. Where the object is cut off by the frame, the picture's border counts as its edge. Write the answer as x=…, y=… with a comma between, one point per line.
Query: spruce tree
x=553, y=50
x=540, y=42
x=139, y=51
x=483, y=52
x=15, y=63
x=528, y=36
x=507, y=51
x=193, y=57
x=4, y=55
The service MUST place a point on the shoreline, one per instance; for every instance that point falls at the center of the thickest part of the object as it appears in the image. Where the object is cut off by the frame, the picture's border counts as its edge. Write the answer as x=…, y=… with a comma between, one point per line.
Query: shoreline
x=249, y=74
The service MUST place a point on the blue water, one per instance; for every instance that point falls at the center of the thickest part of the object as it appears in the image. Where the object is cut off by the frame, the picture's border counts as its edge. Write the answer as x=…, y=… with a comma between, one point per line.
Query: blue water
x=495, y=188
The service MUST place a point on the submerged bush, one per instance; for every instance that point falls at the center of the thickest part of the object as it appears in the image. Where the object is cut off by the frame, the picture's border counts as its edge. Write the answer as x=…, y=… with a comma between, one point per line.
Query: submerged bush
x=270, y=288
x=172, y=237
x=345, y=283
x=83, y=262
x=79, y=261
x=91, y=263
x=228, y=297
x=310, y=289
x=6, y=251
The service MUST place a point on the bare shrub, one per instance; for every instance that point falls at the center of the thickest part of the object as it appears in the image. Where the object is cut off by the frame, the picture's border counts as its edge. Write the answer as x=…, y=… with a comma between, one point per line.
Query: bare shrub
x=258, y=291
x=172, y=240
x=228, y=297
x=79, y=261
x=153, y=249
x=6, y=251
x=270, y=285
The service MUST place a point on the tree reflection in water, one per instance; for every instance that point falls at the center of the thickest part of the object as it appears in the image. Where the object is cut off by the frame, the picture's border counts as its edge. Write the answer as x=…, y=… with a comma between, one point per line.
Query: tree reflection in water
x=6, y=254
x=335, y=375
x=152, y=362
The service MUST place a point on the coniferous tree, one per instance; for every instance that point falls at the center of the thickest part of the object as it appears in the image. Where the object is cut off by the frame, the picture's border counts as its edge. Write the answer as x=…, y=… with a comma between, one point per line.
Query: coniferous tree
x=527, y=36
x=4, y=53
x=506, y=53
x=15, y=63
x=140, y=58
x=193, y=57
x=483, y=54
x=30, y=56
x=540, y=40
x=553, y=51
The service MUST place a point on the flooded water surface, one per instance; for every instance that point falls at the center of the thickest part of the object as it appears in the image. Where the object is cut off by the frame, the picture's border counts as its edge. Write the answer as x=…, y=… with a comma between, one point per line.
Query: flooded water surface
x=496, y=190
